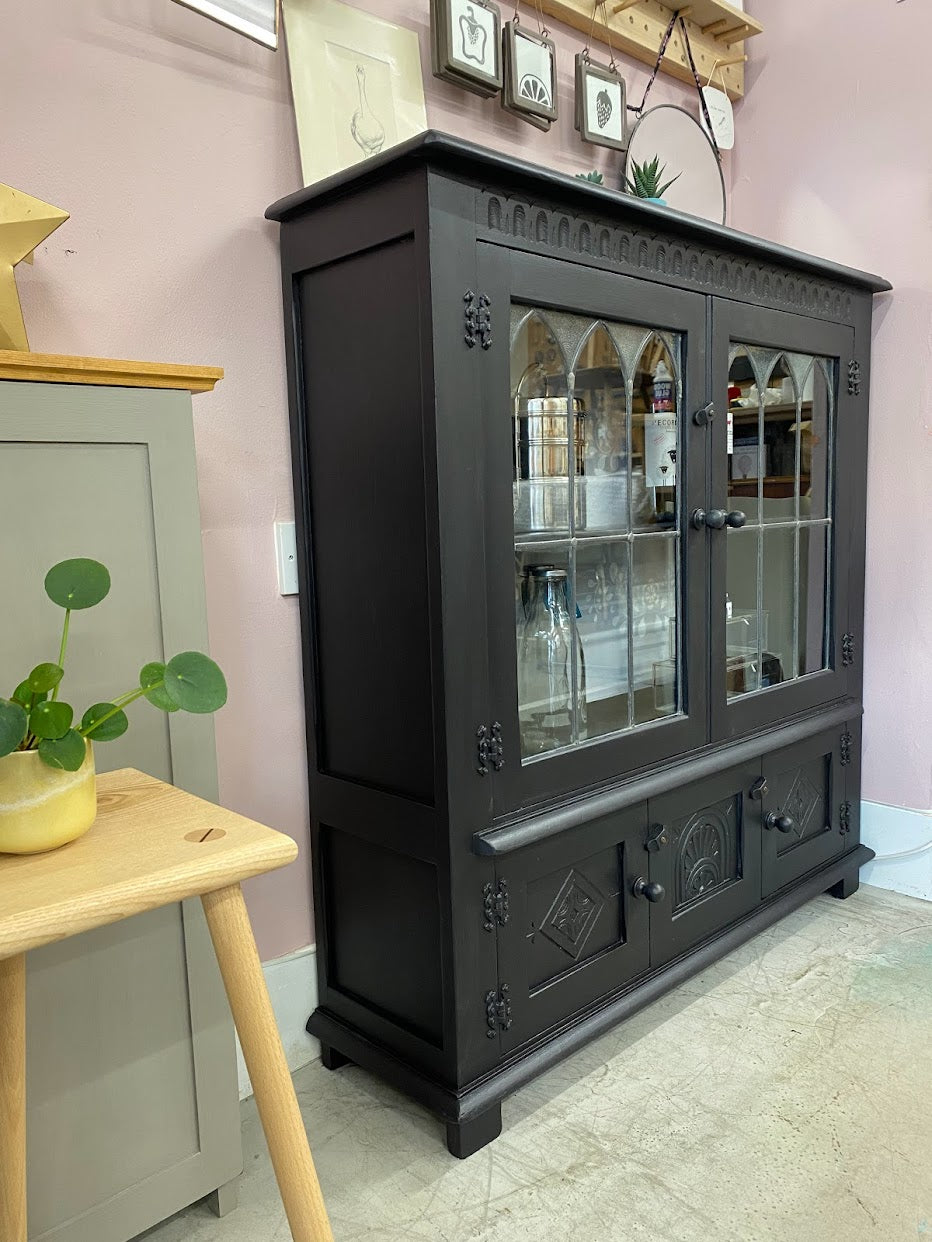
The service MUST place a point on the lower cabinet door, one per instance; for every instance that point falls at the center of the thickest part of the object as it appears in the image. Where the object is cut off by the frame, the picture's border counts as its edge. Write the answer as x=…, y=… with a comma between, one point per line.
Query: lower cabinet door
x=574, y=931
x=704, y=844
x=801, y=808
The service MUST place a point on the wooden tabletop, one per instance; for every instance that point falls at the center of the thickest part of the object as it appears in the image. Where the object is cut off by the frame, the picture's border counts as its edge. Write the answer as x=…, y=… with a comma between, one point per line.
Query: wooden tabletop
x=117, y=372
x=151, y=844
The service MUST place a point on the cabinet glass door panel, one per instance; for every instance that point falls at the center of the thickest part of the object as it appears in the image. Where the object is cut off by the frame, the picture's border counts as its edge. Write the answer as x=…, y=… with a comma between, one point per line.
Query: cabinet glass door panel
x=596, y=434
x=773, y=563
x=595, y=597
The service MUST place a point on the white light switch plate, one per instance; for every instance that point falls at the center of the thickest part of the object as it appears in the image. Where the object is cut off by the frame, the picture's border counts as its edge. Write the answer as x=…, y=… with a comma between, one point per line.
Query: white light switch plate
x=286, y=555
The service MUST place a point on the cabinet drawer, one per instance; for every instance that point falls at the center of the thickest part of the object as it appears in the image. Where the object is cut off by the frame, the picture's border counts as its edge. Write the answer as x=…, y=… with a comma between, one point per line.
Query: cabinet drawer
x=574, y=930
x=801, y=807
x=704, y=849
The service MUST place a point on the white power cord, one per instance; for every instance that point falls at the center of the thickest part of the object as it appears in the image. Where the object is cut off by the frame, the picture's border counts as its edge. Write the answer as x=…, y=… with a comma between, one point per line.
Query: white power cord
x=917, y=849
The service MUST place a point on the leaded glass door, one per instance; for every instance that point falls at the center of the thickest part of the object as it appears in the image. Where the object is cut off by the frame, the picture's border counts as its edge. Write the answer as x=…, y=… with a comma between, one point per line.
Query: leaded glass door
x=778, y=603
x=596, y=595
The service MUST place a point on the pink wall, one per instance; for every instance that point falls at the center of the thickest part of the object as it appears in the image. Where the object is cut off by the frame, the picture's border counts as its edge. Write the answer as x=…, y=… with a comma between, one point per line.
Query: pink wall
x=166, y=137
x=834, y=155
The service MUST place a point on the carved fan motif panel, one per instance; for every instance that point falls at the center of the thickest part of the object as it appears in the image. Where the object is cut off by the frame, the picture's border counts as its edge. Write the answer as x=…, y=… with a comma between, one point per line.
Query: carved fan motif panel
x=707, y=854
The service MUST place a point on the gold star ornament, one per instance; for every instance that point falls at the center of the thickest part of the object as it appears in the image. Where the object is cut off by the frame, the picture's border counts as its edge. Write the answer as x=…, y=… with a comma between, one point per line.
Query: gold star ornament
x=25, y=223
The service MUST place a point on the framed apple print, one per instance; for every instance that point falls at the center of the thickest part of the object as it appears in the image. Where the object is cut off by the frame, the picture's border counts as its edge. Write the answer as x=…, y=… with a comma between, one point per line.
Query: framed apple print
x=466, y=44
x=530, y=79
x=601, y=104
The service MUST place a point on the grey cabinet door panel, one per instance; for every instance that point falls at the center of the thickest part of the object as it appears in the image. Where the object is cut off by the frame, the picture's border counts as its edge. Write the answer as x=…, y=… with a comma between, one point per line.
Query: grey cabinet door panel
x=131, y=1092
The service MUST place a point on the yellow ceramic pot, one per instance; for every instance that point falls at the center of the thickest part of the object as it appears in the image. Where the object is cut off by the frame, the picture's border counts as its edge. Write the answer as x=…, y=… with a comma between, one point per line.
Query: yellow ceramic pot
x=42, y=807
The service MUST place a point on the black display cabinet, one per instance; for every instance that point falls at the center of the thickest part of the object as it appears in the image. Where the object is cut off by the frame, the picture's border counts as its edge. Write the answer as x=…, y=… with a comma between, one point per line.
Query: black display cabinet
x=580, y=497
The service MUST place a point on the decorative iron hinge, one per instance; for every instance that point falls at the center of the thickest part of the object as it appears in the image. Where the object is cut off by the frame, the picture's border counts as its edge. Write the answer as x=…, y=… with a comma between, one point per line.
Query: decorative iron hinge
x=847, y=649
x=489, y=749
x=844, y=818
x=497, y=1011
x=477, y=320
x=845, y=748
x=656, y=838
x=854, y=378
x=495, y=904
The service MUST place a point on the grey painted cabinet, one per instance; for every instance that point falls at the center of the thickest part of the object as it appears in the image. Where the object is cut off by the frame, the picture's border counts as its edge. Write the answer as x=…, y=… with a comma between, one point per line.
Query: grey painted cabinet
x=132, y=1100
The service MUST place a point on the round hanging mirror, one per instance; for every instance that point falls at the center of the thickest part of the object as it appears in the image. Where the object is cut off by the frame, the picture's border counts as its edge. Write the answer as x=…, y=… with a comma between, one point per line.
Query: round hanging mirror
x=683, y=146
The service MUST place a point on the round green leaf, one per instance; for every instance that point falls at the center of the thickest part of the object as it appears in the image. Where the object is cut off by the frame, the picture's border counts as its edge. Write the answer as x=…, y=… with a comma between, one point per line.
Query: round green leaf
x=44, y=677
x=12, y=726
x=24, y=695
x=80, y=583
x=66, y=752
x=115, y=727
x=151, y=677
x=195, y=683
x=50, y=720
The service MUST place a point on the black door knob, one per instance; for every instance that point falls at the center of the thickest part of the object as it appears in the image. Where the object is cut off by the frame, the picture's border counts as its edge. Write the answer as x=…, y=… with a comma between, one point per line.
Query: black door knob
x=649, y=889
x=780, y=821
x=713, y=518
x=735, y=519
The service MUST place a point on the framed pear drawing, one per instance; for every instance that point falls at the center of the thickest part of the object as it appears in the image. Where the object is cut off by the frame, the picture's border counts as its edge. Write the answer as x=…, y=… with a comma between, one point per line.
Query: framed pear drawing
x=466, y=44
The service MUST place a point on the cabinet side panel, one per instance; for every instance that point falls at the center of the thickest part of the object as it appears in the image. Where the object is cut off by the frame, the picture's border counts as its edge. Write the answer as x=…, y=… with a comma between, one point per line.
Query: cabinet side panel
x=362, y=398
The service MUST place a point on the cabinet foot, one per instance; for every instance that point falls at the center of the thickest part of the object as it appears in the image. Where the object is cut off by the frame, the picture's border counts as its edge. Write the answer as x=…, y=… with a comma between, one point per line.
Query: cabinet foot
x=846, y=887
x=224, y=1198
x=464, y=1138
x=331, y=1059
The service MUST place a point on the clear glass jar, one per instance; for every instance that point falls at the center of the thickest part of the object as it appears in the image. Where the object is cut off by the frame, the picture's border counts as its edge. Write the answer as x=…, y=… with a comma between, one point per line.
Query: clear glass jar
x=549, y=718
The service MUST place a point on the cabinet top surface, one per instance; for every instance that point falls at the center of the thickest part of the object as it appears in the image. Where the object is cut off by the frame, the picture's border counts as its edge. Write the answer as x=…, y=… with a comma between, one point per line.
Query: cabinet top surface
x=115, y=372
x=490, y=168
x=151, y=844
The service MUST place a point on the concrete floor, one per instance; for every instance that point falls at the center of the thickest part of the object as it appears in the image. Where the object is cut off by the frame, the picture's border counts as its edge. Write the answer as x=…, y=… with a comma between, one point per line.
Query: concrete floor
x=783, y=1095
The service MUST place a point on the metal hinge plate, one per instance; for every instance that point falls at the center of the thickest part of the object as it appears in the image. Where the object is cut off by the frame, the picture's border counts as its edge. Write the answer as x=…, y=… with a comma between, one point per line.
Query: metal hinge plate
x=854, y=378
x=497, y=1011
x=477, y=320
x=845, y=748
x=490, y=749
x=844, y=818
x=847, y=649
x=495, y=904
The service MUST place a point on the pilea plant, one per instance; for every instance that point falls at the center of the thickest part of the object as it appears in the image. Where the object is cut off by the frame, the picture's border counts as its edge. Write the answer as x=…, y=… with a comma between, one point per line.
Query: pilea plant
x=644, y=181
x=34, y=718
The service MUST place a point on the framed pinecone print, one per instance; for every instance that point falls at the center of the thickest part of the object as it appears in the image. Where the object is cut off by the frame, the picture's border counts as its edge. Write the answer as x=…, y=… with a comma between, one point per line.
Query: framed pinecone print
x=466, y=44
x=601, y=105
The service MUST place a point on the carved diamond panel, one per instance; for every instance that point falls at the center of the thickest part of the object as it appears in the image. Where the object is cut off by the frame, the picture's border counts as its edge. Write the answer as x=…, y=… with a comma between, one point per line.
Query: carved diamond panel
x=801, y=803
x=573, y=914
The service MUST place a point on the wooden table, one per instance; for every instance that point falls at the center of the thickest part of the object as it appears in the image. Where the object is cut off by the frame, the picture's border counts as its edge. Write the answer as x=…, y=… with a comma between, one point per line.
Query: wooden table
x=150, y=846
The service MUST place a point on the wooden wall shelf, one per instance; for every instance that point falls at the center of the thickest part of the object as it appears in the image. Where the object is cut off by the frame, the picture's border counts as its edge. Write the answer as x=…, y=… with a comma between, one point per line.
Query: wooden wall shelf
x=717, y=32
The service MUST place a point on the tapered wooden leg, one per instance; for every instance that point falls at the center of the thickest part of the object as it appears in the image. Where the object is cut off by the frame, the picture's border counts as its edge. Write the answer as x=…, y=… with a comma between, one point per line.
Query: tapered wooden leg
x=281, y=1119
x=13, y=1099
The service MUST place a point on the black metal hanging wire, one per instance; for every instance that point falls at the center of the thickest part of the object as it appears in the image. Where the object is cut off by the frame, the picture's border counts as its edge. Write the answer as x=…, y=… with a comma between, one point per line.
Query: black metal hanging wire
x=612, y=64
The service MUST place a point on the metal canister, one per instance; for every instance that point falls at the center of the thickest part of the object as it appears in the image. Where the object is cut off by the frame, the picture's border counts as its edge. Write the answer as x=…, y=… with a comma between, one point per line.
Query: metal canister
x=542, y=462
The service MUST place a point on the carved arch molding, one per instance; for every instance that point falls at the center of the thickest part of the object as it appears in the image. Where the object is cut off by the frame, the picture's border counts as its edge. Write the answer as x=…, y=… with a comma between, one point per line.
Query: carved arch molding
x=626, y=248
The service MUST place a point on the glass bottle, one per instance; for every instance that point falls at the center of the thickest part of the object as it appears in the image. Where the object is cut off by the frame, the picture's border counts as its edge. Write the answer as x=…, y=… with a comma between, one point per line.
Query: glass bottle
x=545, y=674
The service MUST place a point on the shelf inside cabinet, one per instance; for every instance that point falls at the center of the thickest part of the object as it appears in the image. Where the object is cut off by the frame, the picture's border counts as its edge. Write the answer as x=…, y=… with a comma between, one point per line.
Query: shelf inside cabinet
x=717, y=32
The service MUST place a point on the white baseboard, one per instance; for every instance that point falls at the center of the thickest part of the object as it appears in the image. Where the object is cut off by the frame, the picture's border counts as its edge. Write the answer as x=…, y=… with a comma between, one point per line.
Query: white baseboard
x=292, y=984
x=889, y=829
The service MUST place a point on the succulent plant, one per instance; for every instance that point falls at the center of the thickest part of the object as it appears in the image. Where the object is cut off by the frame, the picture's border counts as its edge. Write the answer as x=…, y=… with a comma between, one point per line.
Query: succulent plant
x=34, y=718
x=645, y=179
x=595, y=177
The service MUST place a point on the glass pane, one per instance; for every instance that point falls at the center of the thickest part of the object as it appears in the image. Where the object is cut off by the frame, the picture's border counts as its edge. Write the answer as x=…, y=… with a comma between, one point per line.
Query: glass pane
x=744, y=641
x=541, y=447
x=654, y=623
x=814, y=444
x=778, y=445
x=654, y=439
x=546, y=636
x=744, y=436
x=813, y=580
x=778, y=619
x=603, y=482
x=602, y=600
